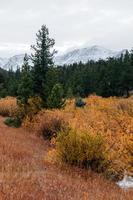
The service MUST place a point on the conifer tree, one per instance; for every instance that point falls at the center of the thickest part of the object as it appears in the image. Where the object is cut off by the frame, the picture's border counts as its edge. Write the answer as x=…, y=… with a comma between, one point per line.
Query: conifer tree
x=69, y=93
x=55, y=100
x=25, y=88
x=12, y=84
x=42, y=59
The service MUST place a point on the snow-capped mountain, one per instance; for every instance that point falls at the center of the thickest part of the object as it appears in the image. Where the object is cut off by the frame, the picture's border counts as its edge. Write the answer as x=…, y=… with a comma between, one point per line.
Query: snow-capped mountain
x=3, y=61
x=81, y=54
x=84, y=54
x=13, y=62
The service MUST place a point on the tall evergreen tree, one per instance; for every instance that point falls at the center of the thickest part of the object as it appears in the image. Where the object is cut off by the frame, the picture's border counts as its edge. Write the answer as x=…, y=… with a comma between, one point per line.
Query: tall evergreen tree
x=12, y=83
x=25, y=88
x=42, y=59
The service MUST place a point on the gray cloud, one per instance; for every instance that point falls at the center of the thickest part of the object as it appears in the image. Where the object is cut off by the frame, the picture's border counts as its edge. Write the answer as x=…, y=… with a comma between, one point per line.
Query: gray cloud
x=71, y=23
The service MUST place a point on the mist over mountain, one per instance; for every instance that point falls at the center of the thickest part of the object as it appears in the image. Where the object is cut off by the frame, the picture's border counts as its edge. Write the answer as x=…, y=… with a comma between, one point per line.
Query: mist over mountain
x=73, y=56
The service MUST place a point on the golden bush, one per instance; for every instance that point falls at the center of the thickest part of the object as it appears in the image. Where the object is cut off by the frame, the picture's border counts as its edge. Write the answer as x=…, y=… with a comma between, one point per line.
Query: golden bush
x=82, y=149
x=46, y=123
x=8, y=106
x=110, y=117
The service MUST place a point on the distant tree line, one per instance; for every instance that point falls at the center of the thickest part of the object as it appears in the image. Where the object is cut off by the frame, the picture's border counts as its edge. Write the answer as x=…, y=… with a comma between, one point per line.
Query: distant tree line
x=111, y=77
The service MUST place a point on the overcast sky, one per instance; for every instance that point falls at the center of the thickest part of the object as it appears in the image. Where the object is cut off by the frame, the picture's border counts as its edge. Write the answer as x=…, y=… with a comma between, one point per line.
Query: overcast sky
x=108, y=23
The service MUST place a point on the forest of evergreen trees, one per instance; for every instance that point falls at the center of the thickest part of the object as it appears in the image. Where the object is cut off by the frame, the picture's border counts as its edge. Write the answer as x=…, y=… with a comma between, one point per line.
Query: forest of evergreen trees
x=113, y=77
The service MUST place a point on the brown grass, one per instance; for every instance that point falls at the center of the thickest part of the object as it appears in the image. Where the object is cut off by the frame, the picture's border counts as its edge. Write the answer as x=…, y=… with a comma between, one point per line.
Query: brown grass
x=8, y=106
x=25, y=176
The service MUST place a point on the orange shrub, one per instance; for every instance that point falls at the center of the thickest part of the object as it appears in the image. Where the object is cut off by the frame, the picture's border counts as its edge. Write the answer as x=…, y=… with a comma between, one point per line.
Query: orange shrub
x=46, y=123
x=111, y=117
x=8, y=106
x=82, y=149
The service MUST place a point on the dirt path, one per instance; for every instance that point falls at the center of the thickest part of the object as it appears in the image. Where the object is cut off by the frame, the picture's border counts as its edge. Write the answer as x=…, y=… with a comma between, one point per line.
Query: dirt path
x=25, y=176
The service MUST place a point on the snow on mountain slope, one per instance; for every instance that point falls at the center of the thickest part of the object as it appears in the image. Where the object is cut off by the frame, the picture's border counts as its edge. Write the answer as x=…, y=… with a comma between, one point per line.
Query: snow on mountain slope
x=14, y=62
x=81, y=54
x=84, y=54
x=3, y=61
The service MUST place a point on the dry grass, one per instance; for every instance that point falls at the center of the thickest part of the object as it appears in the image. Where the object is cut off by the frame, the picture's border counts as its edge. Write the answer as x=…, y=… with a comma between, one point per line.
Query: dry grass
x=25, y=176
x=8, y=106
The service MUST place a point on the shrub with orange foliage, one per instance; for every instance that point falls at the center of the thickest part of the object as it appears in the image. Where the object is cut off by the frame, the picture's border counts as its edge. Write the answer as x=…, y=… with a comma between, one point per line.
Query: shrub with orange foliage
x=8, y=106
x=112, y=118
x=46, y=123
x=82, y=149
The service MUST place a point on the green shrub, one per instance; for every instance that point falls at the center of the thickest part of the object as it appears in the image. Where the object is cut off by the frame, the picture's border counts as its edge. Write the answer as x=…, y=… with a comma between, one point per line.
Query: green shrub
x=31, y=108
x=69, y=94
x=79, y=102
x=82, y=149
x=55, y=99
x=13, y=122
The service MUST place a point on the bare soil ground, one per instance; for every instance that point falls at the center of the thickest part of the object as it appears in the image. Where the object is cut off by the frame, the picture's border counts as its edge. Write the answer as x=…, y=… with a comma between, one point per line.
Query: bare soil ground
x=25, y=176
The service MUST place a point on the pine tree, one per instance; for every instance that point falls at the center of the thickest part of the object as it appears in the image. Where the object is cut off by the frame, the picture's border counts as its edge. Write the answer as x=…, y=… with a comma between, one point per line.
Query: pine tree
x=3, y=91
x=55, y=100
x=12, y=83
x=69, y=93
x=131, y=56
x=25, y=88
x=42, y=60
x=52, y=78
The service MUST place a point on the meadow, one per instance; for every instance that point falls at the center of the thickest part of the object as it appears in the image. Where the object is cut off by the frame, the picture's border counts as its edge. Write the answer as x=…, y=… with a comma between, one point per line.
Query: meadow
x=98, y=136
x=71, y=153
